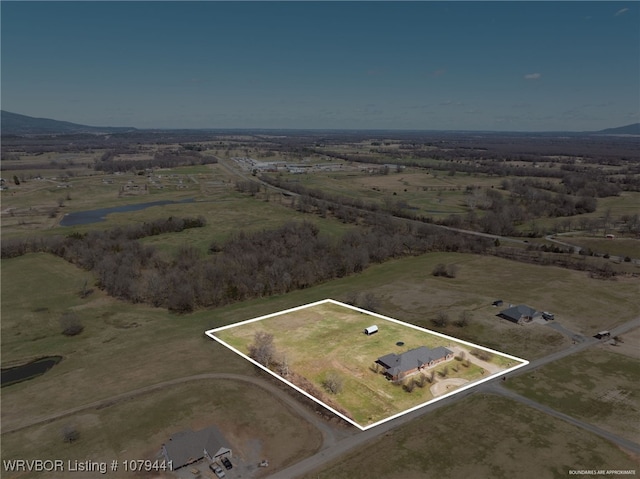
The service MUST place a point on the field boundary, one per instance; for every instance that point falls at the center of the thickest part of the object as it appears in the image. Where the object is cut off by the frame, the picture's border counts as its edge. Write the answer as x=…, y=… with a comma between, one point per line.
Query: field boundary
x=211, y=333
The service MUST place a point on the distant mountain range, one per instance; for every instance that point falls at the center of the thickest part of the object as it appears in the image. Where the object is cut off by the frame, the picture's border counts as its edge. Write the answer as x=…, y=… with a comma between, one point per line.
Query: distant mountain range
x=633, y=129
x=16, y=124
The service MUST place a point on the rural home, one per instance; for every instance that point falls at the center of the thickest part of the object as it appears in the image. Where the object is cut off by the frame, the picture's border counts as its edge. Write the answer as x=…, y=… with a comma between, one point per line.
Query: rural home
x=399, y=366
x=187, y=447
x=519, y=313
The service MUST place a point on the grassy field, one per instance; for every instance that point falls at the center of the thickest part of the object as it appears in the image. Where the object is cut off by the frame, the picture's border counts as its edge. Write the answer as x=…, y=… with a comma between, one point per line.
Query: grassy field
x=616, y=247
x=128, y=346
x=480, y=437
x=136, y=429
x=327, y=339
x=429, y=193
x=34, y=207
x=600, y=386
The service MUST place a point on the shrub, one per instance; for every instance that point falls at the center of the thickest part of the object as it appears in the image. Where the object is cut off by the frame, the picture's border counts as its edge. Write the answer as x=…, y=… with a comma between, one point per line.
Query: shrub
x=70, y=434
x=333, y=383
x=71, y=324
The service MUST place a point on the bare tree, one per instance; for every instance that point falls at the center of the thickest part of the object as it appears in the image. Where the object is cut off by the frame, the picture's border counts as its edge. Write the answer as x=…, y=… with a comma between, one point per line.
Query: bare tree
x=409, y=385
x=422, y=380
x=333, y=383
x=441, y=320
x=482, y=354
x=370, y=302
x=70, y=434
x=463, y=319
x=283, y=365
x=70, y=323
x=351, y=298
x=452, y=270
x=439, y=270
x=448, y=271
x=262, y=350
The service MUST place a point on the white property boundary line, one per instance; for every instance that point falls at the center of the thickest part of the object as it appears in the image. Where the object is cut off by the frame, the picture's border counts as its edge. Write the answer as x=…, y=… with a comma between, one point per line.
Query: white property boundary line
x=210, y=333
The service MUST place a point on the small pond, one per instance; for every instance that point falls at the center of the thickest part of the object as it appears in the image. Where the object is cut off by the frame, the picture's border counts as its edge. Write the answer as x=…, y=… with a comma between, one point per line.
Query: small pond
x=95, y=216
x=29, y=370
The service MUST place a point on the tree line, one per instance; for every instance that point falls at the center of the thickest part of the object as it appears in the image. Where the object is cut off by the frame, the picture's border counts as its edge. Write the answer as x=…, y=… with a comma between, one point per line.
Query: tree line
x=246, y=265
x=110, y=163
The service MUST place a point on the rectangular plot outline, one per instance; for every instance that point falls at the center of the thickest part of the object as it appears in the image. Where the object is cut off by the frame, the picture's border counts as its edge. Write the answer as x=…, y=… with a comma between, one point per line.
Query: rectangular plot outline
x=211, y=334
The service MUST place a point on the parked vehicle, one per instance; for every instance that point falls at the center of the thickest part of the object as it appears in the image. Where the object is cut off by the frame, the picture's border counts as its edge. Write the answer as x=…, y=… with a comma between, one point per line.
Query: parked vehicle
x=226, y=463
x=217, y=470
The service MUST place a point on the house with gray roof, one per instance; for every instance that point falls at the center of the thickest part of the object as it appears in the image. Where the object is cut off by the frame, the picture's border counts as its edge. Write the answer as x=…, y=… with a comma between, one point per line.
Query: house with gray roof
x=187, y=447
x=399, y=366
x=518, y=314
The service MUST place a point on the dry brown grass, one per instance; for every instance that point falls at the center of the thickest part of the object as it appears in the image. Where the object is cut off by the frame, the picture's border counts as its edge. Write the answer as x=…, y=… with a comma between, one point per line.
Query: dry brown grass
x=479, y=437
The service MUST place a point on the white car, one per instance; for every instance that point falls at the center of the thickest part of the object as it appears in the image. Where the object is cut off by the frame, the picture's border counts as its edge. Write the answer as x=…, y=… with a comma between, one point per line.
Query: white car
x=217, y=470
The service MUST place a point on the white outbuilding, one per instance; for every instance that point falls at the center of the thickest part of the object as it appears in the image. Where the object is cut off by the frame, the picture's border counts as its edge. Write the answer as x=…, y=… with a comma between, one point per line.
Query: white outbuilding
x=371, y=330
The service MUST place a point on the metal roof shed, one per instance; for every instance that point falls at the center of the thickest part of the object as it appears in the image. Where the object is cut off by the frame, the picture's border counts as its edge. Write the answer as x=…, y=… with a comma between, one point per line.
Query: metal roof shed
x=371, y=330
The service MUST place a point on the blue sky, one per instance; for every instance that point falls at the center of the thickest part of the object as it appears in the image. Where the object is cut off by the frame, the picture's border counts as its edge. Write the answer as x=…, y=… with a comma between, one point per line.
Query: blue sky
x=536, y=66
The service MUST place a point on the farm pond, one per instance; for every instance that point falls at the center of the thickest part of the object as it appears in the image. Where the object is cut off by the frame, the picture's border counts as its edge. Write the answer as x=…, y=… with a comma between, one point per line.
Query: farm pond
x=28, y=370
x=95, y=216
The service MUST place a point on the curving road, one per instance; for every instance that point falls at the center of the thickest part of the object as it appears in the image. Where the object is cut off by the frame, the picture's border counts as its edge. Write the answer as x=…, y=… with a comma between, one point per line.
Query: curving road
x=498, y=389
x=348, y=444
x=328, y=433
x=338, y=442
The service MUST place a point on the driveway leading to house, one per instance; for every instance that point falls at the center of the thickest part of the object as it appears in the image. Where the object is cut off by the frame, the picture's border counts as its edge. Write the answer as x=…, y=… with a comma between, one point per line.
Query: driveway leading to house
x=446, y=385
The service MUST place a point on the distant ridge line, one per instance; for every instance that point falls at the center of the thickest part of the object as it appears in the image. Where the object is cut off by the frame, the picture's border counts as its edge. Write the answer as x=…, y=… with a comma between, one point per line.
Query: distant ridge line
x=17, y=124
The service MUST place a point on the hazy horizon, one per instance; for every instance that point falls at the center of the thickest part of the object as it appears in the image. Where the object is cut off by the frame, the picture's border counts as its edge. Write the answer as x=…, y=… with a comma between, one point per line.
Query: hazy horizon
x=477, y=66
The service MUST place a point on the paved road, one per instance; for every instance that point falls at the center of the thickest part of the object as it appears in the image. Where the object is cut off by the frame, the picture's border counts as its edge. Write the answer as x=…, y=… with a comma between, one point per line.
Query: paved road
x=337, y=442
x=236, y=170
x=577, y=249
x=497, y=388
x=329, y=434
x=567, y=332
x=348, y=444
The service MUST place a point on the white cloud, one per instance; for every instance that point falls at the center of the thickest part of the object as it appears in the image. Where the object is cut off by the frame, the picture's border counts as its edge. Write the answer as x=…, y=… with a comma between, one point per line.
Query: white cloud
x=532, y=76
x=621, y=11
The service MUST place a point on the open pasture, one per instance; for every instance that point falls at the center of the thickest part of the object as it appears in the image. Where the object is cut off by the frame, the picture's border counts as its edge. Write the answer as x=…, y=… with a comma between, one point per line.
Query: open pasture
x=326, y=339
x=600, y=386
x=480, y=436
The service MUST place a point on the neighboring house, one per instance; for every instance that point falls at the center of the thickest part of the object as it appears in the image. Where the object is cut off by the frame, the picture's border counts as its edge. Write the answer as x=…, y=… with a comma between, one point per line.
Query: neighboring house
x=519, y=313
x=187, y=447
x=399, y=366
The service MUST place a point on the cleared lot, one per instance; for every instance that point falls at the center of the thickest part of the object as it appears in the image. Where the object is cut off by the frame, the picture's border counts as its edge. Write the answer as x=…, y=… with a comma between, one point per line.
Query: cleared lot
x=325, y=341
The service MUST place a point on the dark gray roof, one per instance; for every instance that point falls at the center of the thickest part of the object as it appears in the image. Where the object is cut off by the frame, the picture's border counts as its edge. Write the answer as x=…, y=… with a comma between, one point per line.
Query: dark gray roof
x=188, y=446
x=516, y=312
x=412, y=359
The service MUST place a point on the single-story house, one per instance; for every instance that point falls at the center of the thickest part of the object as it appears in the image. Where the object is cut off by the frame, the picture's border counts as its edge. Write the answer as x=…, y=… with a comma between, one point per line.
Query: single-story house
x=399, y=366
x=187, y=447
x=519, y=313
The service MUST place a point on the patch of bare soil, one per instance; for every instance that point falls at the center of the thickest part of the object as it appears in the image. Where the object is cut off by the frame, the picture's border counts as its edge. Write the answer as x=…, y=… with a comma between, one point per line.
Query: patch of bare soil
x=630, y=345
x=445, y=386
